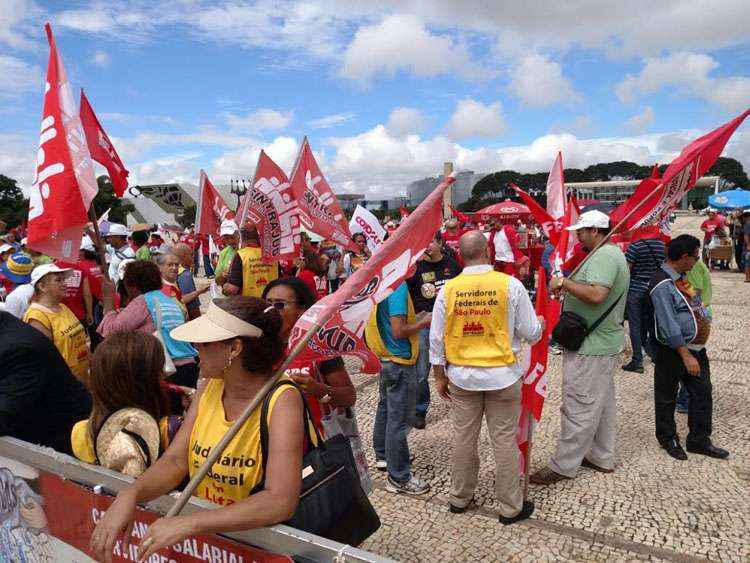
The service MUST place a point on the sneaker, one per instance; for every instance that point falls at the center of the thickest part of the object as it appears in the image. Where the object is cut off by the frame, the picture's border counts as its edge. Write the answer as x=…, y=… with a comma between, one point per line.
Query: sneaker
x=634, y=367
x=382, y=465
x=412, y=487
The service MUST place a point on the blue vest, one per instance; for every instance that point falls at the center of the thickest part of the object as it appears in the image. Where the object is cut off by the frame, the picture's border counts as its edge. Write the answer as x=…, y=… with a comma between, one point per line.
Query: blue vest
x=172, y=316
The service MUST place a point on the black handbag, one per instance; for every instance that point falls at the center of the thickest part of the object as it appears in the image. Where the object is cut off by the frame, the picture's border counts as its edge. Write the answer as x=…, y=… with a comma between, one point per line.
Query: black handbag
x=332, y=503
x=572, y=329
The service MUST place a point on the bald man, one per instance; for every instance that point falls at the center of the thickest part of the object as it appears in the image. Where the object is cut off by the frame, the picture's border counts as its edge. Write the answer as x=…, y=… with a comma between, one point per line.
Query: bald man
x=478, y=322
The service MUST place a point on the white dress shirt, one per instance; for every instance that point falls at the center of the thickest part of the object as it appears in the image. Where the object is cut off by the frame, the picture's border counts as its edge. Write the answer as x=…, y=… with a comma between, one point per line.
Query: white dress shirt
x=503, y=250
x=522, y=325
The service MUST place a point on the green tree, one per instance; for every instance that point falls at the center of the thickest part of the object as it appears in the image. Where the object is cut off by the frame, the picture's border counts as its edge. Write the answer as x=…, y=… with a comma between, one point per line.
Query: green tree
x=106, y=199
x=730, y=170
x=14, y=208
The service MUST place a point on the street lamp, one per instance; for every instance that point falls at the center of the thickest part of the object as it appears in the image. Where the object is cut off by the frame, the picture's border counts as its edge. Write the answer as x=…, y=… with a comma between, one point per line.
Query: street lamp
x=239, y=188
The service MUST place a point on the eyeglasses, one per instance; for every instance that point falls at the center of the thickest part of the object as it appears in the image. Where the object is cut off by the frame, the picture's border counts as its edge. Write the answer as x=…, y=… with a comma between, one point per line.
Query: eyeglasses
x=281, y=304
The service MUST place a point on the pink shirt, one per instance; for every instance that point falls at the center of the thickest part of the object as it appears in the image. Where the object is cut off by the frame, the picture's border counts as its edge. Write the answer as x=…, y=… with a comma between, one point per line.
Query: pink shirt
x=133, y=317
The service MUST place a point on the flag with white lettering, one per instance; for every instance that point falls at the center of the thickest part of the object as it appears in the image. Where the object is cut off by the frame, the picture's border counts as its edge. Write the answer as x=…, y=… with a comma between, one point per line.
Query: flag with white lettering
x=319, y=209
x=556, y=196
x=271, y=206
x=550, y=226
x=348, y=309
x=212, y=210
x=64, y=183
x=363, y=221
x=567, y=240
x=101, y=148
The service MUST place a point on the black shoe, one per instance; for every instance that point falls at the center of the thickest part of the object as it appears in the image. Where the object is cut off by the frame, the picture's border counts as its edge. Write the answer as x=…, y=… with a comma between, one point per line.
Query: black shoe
x=634, y=367
x=419, y=423
x=674, y=449
x=710, y=450
x=526, y=511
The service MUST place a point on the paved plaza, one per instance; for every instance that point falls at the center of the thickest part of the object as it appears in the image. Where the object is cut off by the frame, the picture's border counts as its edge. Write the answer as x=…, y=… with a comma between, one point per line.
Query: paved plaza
x=652, y=508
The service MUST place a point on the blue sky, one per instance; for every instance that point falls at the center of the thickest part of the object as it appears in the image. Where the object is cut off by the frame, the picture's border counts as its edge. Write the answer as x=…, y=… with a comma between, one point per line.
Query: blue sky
x=385, y=91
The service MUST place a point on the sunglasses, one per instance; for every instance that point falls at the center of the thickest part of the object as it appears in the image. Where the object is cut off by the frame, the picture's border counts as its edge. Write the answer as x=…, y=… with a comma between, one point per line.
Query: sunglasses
x=281, y=304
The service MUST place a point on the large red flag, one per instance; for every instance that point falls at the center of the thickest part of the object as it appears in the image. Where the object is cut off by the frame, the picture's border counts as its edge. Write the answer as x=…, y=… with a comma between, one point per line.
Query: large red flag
x=270, y=204
x=642, y=191
x=460, y=216
x=212, y=210
x=319, y=209
x=348, y=309
x=534, y=390
x=64, y=183
x=101, y=147
x=679, y=177
x=565, y=246
x=556, y=189
x=550, y=227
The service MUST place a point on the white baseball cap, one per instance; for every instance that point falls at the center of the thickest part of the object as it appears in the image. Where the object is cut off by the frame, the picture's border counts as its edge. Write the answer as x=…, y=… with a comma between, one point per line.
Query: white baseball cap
x=41, y=271
x=87, y=244
x=115, y=229
x=228, y=228
x=593, y=219
x=6, y=247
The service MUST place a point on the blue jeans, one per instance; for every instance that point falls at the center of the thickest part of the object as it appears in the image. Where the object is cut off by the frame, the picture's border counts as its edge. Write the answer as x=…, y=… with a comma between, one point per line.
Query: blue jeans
x=683, y=397
x=396, y=385
x=635, y=324
x=423, y=372
x=208, y=269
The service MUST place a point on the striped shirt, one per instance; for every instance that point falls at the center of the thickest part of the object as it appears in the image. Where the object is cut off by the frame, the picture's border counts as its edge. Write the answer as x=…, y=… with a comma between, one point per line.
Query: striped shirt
x=645, y=255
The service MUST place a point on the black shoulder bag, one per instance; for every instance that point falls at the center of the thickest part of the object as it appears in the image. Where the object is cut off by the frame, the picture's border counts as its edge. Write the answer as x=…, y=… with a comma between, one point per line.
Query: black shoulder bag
x=332, y=503
x=572, y=329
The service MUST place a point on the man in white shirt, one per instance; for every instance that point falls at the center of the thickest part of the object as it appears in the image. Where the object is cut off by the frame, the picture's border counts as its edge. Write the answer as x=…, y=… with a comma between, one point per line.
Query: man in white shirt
x=478, y=322
x=18, y=300
x=117, y=249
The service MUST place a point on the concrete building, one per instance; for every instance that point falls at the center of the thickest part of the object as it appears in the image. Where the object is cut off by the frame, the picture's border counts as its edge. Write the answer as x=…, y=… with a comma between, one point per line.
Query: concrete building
x=465, y=181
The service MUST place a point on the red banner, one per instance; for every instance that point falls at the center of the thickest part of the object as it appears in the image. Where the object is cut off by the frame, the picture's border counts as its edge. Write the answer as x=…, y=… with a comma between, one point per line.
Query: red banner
x=556, y=196
x=566, y=242
x=270, y=204
x=679, y=177
x=319, y=209
x=550, y=227
x=101, y=147
x=348, y=309
x=212, y=211
x=460, y=216
x=64, y=183
x=54, y=519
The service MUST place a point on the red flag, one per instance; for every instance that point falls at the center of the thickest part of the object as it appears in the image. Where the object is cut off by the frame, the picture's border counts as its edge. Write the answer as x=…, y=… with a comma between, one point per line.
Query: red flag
x=64, y=183
x=403, y=212
x=460, y=216
x=212, y=210
x=101, y=148
x=679, y=177
x=642, y=191
x=270, y=204
x=319, y=210
x=567, y=240
x=348, y=309
x=556, y=189
x=550, y=227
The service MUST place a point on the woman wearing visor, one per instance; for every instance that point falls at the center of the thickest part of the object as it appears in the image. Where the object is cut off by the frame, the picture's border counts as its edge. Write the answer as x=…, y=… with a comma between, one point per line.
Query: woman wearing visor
x=239, y=343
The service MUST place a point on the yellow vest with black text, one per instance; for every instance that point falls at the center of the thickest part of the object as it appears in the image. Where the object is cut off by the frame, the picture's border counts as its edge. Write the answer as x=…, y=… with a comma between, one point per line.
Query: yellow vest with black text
x=378, y=347
x=476, y=320
x=256, y=274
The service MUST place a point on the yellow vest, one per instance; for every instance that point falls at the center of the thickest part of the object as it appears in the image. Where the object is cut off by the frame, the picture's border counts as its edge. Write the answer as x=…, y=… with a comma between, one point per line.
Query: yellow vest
x=376, y=344
x=256, y=274
x=240, y=467
x=68, y=335
x=476, y=320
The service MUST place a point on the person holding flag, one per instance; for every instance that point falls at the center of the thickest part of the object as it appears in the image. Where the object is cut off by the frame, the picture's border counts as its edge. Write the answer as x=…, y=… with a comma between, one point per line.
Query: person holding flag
x=597, y=295
x=249, y=274
x=478, y=322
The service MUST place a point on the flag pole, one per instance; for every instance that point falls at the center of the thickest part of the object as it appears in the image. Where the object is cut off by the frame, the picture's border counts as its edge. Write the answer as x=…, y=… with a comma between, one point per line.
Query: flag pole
x=527, y=455
x=98, y=241
x=615, y=229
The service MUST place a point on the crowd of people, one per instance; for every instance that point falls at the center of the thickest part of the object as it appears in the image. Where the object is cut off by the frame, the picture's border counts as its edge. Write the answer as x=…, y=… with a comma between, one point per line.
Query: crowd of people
x=114, y=358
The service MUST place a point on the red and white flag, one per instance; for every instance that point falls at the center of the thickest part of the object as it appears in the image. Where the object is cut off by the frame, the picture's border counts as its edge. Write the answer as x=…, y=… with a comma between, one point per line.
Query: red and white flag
x=679, y=177
x=534, y=390
x=212, y=209
x=460, y=216
x=348, y=309
x=270, y=204
x=403, y=211
x=556, y=196
x=101, y=147
x=64, y=183
x=550, y=227
x=567, y=240
x=319, y=209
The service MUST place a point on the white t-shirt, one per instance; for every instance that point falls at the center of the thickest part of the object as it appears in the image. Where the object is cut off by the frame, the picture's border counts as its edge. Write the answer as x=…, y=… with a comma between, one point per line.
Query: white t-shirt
x=18, y=300
x=503, y=251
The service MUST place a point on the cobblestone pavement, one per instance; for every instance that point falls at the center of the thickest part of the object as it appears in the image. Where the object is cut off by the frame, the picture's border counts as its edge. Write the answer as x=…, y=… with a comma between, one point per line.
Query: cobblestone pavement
x=651, y=508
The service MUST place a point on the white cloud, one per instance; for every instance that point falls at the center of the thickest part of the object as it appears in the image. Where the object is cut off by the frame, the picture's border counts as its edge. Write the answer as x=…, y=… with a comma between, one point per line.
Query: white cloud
x=167, y=169
x=101, y=59
x=402, y=42
x=16, y=28
x=17, y=159
x=329, y=121
x=282, y=150
x=262, y=119
x=17, y=77
x=640, y=122
x=475, y=119
x=92, y=20
x=539, y=82
x=403, y=121
x=689, y=73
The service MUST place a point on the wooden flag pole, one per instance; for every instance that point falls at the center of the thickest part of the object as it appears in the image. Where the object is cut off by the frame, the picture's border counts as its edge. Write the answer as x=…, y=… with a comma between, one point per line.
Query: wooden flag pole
x=98, y=241
x=448, y=193
x=527, y=456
